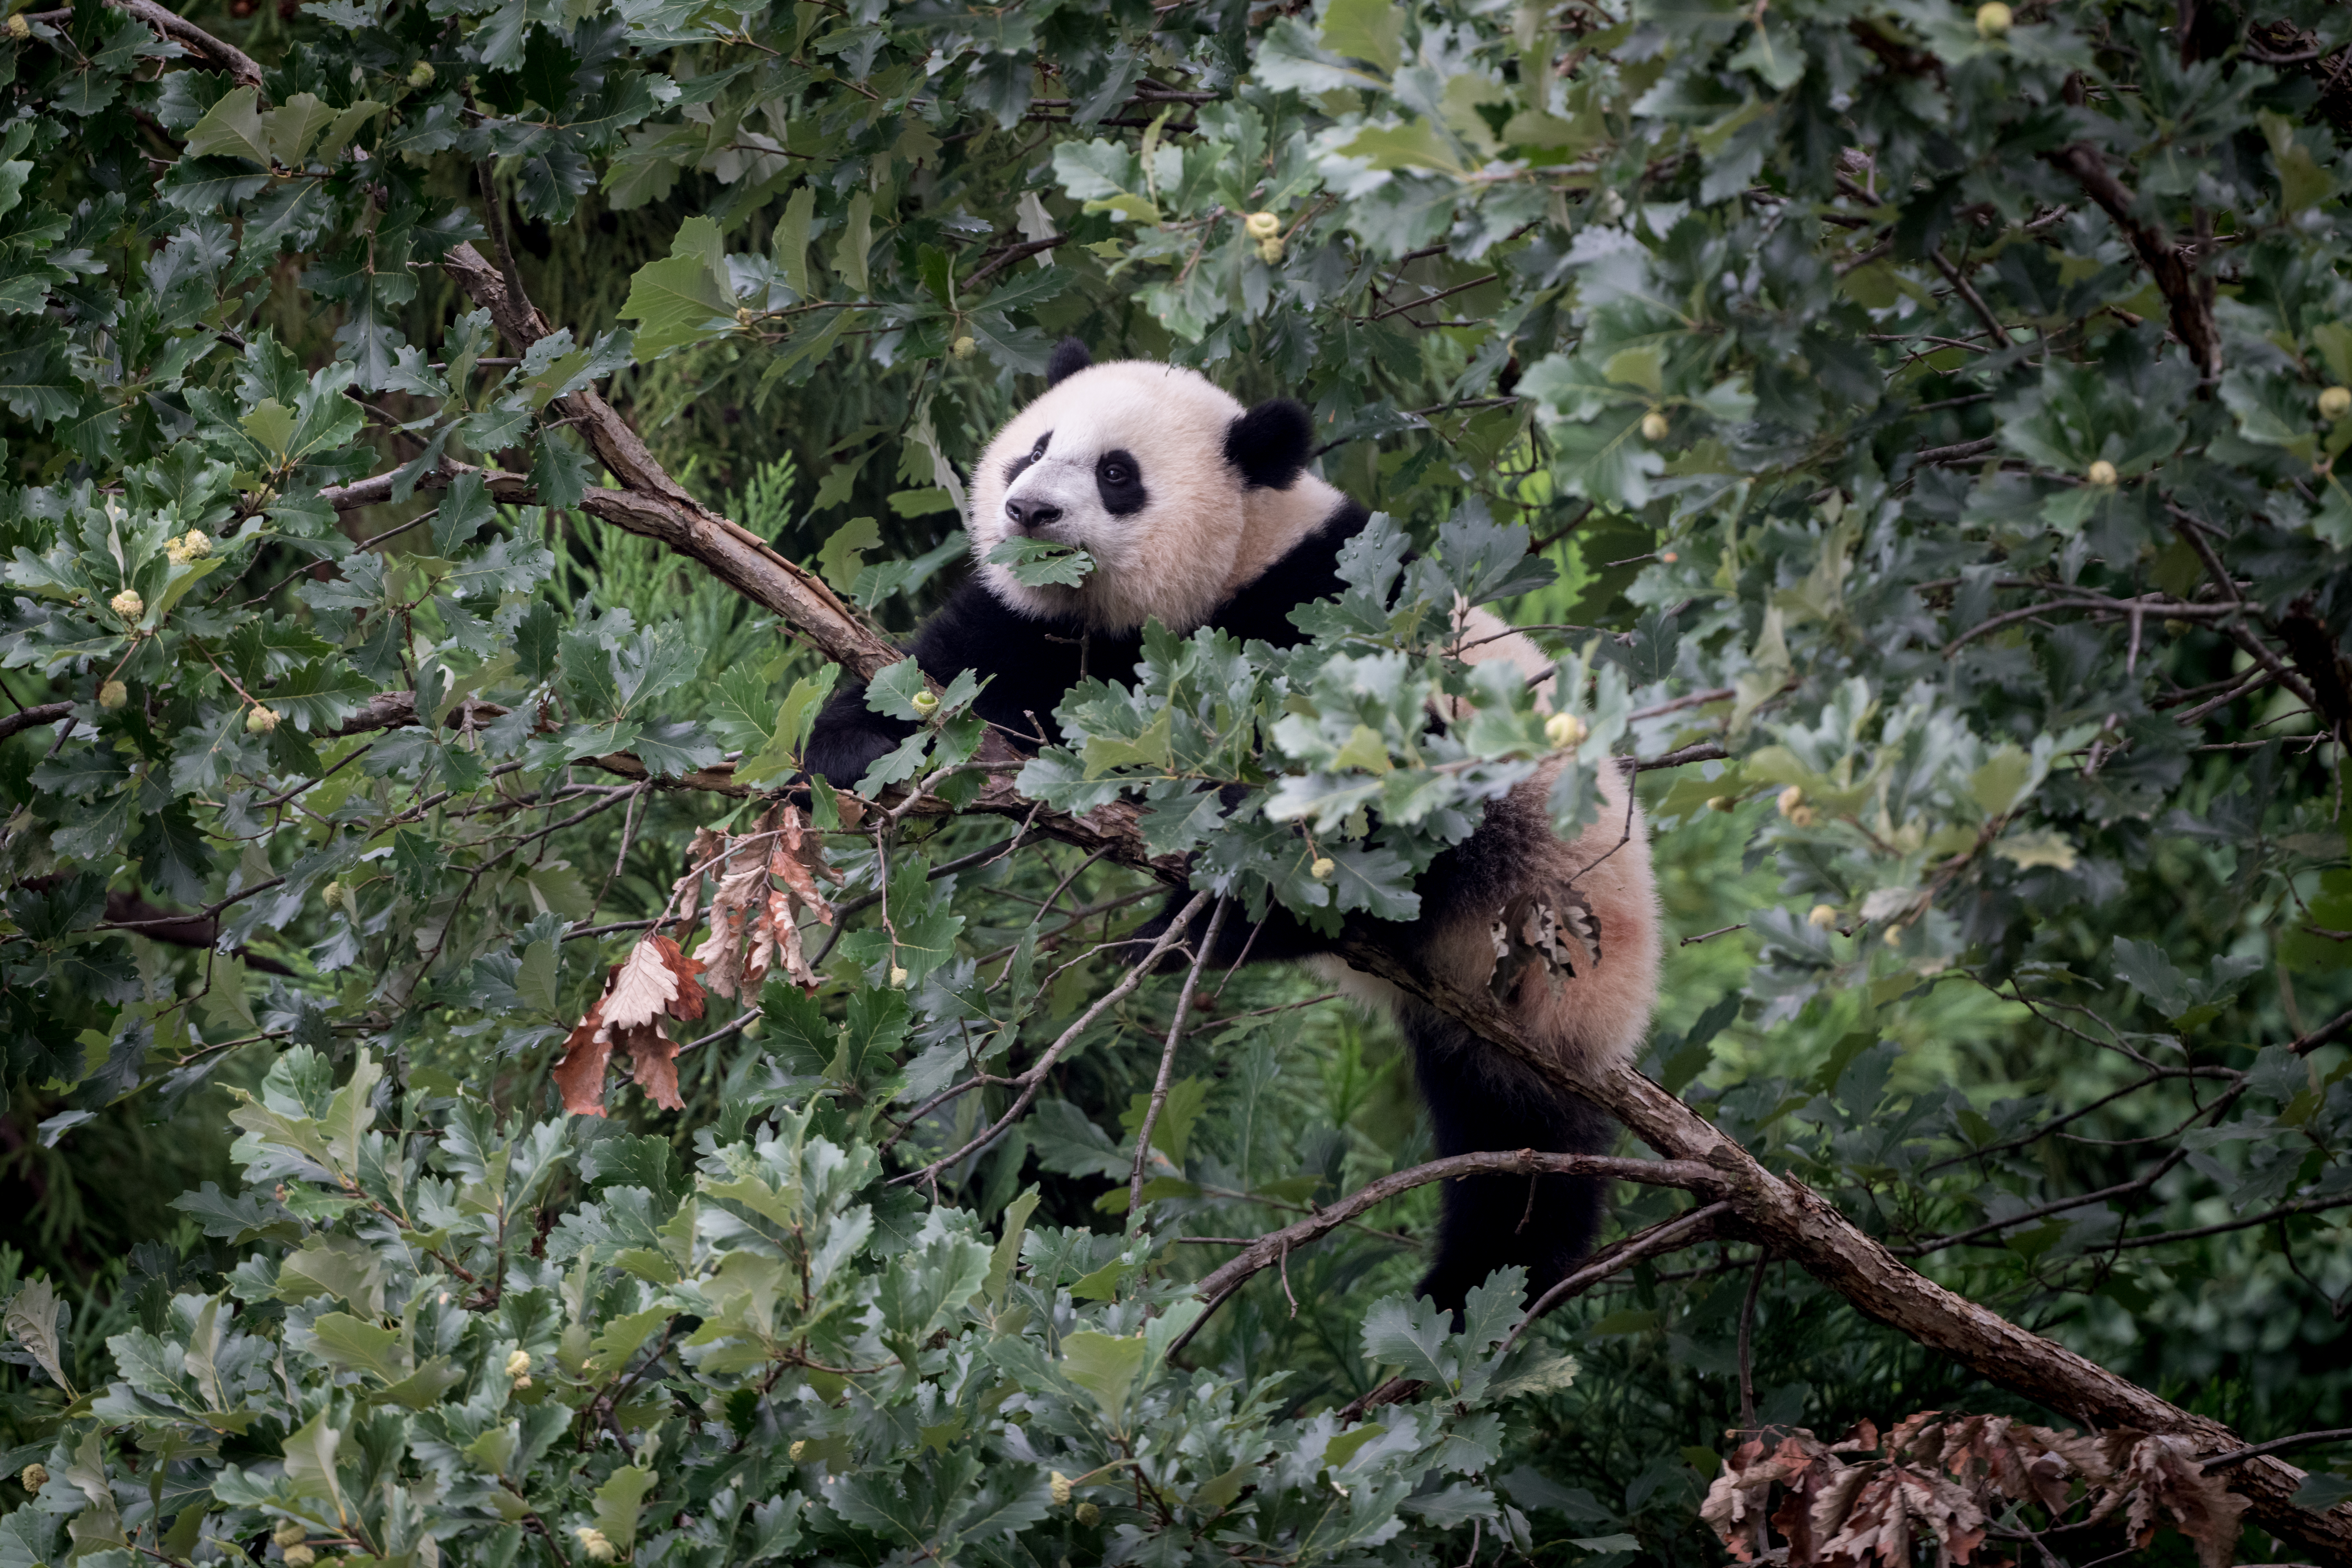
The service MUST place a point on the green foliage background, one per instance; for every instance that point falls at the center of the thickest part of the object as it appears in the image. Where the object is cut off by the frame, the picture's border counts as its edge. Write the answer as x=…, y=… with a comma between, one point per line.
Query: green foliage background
x=1875, y=454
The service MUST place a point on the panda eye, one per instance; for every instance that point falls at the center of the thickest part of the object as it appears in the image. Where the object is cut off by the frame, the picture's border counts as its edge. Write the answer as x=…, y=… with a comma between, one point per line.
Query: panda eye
x=1115, y=473
x=1038, y=450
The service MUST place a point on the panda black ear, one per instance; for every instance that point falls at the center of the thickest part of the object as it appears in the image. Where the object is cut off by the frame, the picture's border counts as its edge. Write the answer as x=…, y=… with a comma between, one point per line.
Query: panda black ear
x=1269, y=444
x=1070, y=357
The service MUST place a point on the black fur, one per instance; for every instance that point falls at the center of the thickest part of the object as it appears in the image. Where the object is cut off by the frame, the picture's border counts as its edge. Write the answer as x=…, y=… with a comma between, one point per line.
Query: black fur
x=1480, y=1099
x=1070, y=356
x=1118, y=480
x=1271, y=443
x=1477, y=1098
x=1013, y=470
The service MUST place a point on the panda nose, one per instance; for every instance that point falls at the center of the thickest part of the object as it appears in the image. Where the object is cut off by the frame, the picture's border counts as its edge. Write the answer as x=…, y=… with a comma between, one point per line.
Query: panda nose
x=1031, y=513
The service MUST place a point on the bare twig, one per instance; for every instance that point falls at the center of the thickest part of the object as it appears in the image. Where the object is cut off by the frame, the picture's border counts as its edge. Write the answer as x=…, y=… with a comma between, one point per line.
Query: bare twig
x=2187, y=297
x=1683, y=1230
x=1747, y=1341
x=1965, y=290
x=1220, y=1284
x=1031, y=1081
x=2280, y=1445
x=1168, y=1059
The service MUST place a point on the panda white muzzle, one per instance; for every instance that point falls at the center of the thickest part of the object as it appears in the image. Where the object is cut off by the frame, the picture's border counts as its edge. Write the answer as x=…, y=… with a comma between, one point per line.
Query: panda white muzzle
x=1047, y=499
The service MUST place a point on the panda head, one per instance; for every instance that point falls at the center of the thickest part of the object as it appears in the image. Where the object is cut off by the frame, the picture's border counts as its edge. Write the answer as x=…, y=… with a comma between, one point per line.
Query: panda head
x=1154, y=471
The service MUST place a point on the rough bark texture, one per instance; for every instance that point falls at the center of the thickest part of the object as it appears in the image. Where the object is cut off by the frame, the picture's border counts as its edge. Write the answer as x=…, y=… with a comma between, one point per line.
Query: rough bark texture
x=650, y=503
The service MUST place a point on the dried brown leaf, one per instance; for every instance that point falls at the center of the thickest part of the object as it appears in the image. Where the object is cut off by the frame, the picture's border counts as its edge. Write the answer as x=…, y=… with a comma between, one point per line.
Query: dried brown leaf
x=641, y=988
x=688, y=1001
x=2167, y=1474
x=653, y=1063
x=1736, y=1501
x=580, y=1074
x=742, y=876
x=777, y=927
x=1877, y=1510
x=799, y=859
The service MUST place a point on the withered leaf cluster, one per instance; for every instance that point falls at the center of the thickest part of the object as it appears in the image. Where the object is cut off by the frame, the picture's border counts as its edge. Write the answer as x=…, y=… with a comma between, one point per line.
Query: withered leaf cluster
x=1942, y=1485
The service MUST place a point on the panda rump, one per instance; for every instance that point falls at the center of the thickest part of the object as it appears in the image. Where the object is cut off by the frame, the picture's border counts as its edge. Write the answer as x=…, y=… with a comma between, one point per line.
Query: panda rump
x=1198, y=511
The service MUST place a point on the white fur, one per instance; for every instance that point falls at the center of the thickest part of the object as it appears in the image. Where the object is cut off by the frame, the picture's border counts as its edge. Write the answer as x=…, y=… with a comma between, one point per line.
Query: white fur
x=1201, y=535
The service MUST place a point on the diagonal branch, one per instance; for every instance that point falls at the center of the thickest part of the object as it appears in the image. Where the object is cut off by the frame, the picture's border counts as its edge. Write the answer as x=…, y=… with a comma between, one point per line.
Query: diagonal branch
x=2185, y=295
x=220, y=55
x=1160, y=1086
x=650, y=503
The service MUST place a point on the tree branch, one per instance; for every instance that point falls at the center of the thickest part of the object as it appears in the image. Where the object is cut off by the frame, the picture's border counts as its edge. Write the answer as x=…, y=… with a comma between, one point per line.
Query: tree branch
x=46, y=713
x=651, y=504
x=240, y=66
x=1168, y=1058
x=2185, y=294
x=1220, y=1284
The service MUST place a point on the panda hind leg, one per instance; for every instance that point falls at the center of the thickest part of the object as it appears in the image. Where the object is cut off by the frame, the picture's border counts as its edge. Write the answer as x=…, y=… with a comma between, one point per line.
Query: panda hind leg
x=1481, y=1099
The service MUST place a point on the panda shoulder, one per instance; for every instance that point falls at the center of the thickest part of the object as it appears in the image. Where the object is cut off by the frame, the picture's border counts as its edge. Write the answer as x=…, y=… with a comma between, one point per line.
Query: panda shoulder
x=977, y=630
x=1307, y=571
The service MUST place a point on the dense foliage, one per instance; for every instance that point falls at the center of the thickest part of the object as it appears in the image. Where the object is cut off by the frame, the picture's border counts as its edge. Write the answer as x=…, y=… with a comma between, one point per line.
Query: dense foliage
x=1912, y=426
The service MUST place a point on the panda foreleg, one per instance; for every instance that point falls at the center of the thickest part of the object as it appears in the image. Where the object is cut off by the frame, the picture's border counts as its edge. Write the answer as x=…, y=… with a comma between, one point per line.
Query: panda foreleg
x=849, y=737
x=1479, y=1099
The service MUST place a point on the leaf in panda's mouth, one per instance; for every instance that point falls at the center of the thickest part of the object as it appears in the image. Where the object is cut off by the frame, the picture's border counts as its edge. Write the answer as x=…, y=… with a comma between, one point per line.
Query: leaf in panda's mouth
x=1038, y=561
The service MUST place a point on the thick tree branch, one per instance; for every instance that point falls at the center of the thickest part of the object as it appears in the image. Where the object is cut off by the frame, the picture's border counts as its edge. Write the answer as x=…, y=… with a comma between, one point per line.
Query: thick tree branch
x=46, y=713
x=652, y=504
x=2188, y=297
x=212, y=51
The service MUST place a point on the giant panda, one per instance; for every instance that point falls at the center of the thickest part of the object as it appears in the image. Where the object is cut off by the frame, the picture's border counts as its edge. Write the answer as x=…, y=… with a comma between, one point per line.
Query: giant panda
x=1199, y=513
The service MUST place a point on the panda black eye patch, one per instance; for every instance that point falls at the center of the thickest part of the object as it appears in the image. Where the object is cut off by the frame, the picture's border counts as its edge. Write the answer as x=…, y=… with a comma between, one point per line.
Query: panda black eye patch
x=1013, y=469
x=1118, y=480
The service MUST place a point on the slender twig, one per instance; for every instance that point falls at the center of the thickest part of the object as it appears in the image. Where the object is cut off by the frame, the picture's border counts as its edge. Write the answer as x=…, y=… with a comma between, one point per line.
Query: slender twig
x=1965, y=290
x=1747, y=1341
x=1034, y=1078
x=2279, y=1444
x=1218, y=1286
x=1683, y=1230
x=1168, y=1059
x=1432, y=298
x=1011, y=253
